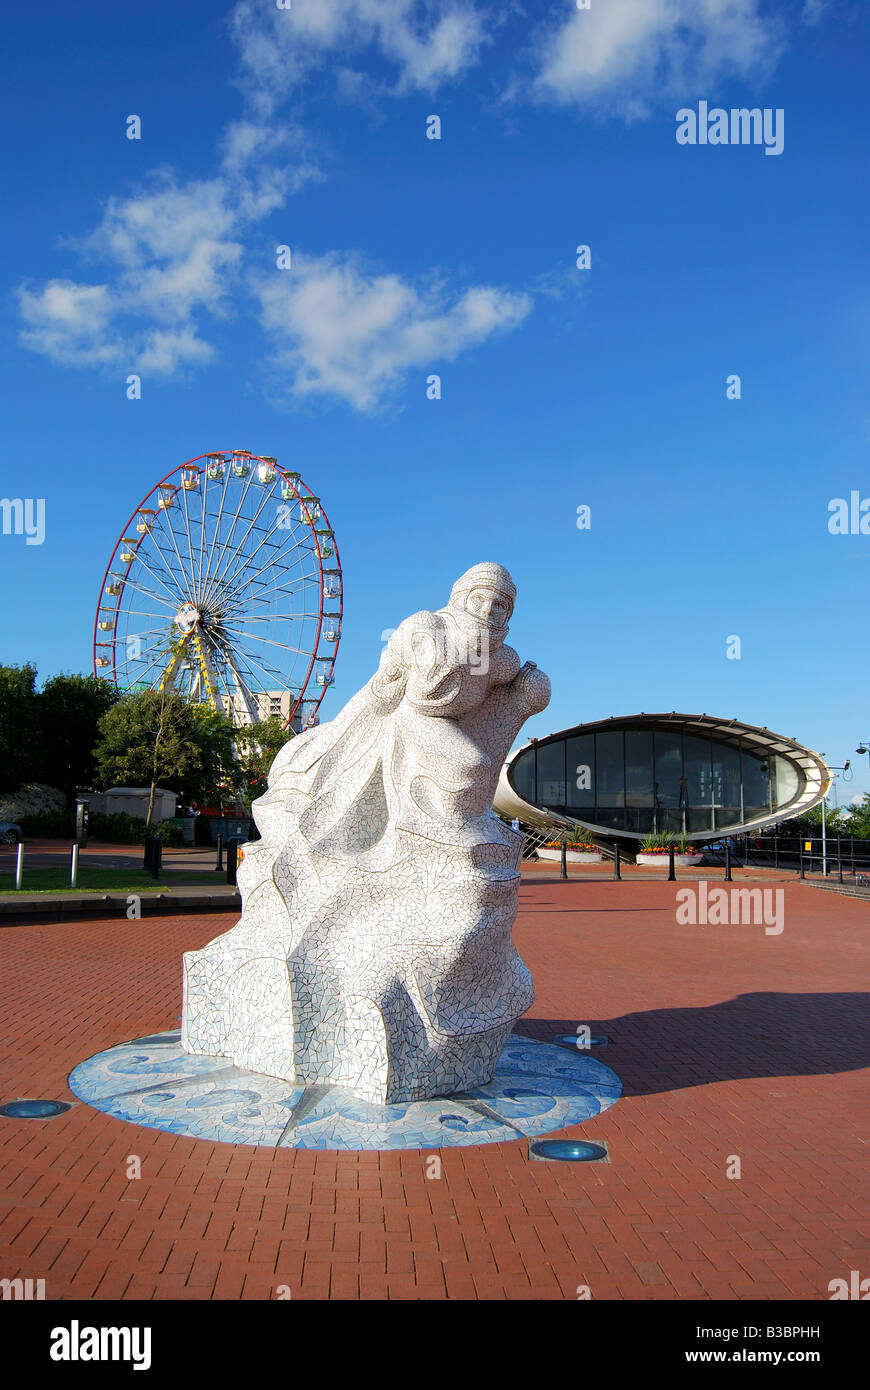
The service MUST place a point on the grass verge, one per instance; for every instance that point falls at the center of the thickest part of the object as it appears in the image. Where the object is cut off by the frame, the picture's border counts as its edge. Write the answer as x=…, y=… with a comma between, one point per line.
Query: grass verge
x=106, y=880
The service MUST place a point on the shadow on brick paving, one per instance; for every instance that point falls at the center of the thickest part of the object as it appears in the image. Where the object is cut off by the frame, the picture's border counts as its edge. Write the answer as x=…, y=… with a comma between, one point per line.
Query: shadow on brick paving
x=751, y=1036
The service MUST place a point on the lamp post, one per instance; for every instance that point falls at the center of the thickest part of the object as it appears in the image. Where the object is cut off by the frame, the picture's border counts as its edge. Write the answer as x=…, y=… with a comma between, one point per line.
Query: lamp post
x=824, y=833
x=863, y=747
x=845, y=768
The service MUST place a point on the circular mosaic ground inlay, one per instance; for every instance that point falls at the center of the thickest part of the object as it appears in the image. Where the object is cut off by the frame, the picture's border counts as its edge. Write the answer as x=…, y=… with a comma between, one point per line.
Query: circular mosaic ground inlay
x=537, y=1088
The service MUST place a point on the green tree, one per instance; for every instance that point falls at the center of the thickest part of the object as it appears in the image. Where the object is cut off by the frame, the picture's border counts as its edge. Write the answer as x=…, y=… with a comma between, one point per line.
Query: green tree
x=71, y=707
x=833, y=819
x=858, y=820
x=156, y=738
x=839, y=820
x=21, y=744
x=257, y=746
x=219, y=777
x=127, y=735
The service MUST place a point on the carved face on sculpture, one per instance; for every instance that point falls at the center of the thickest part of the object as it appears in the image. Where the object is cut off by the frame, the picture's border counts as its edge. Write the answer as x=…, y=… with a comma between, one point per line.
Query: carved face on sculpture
x=483, y=597
x=490, y=606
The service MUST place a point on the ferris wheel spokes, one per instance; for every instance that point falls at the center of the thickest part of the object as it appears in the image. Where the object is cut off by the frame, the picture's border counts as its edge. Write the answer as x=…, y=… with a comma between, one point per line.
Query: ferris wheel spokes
x=217, y=533
x=219, y=576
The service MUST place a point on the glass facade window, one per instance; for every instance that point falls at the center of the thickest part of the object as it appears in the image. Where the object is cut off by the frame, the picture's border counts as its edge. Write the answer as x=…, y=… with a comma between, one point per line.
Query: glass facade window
x=726, y=785
x=641, y=780
x=669, y=768
x=668, y=791
x=698, y=773
x=756, y=785
x=523, y=775
x=610, y=769
x=552, y=789
x=788, y=780
x=580, y=758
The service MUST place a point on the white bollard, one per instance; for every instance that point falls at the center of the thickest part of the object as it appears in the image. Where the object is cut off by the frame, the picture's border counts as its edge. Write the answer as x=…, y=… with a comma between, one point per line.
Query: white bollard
x=74, y=866
x=19, y=866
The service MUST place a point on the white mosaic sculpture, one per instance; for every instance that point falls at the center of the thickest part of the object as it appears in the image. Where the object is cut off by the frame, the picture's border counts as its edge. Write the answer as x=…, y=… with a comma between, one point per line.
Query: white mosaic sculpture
x=374, y=950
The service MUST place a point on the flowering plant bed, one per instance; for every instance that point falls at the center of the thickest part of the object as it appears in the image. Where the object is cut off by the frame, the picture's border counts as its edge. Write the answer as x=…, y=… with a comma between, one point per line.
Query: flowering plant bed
x=660, y=859
x=656, y=850
x=665, y=849
x=576, y=852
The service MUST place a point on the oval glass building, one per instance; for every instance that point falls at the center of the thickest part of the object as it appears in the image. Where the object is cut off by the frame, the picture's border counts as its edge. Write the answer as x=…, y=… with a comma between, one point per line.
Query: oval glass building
x=647, y=773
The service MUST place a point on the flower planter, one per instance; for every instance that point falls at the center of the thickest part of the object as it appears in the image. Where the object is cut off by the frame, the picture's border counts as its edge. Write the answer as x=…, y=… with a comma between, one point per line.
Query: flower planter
x=661, y=861
x=573, y=856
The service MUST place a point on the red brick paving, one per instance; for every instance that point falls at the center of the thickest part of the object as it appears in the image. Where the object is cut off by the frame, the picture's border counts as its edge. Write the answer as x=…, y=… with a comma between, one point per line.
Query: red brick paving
x=728, y=1042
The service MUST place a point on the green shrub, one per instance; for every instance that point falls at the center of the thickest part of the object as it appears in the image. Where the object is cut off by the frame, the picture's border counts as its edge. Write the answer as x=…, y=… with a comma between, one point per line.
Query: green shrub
x=169, y=834
x=659, y=840
x=49, y=825
x=663, y=839
x=115, y=829
x=577, y=839
x=118, y=828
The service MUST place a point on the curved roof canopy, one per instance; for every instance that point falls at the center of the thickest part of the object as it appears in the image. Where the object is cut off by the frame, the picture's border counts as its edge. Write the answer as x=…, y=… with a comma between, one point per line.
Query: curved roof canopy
x=691, y=774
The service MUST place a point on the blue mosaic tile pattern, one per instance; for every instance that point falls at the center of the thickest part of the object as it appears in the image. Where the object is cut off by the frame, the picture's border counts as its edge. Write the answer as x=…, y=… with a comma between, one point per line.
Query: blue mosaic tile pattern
x=537, y=1089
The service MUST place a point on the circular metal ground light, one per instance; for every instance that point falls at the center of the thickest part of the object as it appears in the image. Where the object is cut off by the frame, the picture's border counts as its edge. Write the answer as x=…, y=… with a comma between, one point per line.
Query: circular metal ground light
x=33, y=1109
x=574, y=1040
x=567, y=1150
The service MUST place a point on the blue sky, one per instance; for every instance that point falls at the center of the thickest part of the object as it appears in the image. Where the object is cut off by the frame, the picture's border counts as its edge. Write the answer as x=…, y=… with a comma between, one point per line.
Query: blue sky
x=560, y=387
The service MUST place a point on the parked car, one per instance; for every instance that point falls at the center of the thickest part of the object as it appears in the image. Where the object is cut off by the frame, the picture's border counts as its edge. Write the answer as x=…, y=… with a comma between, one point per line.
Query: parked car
x=10, y=833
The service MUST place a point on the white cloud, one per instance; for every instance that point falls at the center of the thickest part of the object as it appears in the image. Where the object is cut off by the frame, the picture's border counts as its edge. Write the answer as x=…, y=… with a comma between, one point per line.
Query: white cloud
x=163, y=223
x=345, y=332
x=68, y=322
x=247, y=144
x=623, y=54
x=279, y=48
x=173, y=253
x=165, y=349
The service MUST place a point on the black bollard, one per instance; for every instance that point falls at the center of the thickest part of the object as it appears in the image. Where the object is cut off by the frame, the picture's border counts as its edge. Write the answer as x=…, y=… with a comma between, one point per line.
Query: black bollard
x=616, y=869
x=672, y=873
x=839, y=862
x=564, y=873
x=220, y=853
x=235, y=855
x=728, y=878
x=802, y=872
x=153, y=857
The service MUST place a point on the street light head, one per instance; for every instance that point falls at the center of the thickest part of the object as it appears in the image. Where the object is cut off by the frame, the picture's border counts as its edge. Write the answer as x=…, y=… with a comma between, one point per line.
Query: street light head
x=862, y=749
x=847, y=764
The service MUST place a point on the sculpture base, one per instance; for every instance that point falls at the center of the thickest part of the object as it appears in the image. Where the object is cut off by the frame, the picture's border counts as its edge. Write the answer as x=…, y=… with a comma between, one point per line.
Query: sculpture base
x=400, y=986
x=537, y=1088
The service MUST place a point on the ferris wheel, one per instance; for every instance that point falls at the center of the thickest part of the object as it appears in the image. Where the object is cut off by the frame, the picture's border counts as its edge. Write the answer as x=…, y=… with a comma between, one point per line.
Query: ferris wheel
x=226, y=586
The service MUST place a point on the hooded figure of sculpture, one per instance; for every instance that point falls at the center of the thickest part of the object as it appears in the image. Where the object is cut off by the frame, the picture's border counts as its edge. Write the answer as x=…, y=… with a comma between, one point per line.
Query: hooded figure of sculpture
x=374, y=950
